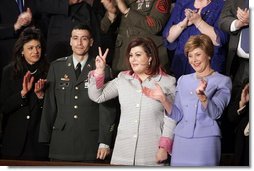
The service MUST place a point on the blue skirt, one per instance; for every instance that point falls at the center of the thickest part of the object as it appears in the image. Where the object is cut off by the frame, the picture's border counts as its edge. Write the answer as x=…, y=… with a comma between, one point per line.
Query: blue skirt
x=205, y=151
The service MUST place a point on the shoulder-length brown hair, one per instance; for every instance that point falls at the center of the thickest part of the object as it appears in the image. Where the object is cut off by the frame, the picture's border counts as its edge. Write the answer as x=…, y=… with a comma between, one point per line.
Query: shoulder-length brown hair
x=150, y=49
x=201, y=41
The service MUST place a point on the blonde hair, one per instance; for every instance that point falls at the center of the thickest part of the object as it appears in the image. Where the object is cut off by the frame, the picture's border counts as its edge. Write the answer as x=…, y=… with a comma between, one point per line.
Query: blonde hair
x=201, y=41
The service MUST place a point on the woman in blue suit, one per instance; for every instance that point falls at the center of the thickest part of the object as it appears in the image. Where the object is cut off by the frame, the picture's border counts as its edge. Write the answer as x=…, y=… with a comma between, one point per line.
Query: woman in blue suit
x=194, y=17
x=200, y=100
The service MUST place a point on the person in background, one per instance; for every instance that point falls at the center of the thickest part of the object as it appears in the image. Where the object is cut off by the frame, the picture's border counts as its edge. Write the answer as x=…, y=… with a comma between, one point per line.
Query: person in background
x=76, y=128
x=15, y=16
x=12, y=22
x=144, y=134
x=200, y=100
x=234, y=20
x=194, y=17
x=135, y=18
x=64, y=15
x=238, y=114
x=22, y=94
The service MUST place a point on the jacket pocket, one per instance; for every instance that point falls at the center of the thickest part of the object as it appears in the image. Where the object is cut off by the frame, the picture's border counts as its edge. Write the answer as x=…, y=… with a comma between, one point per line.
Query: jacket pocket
x=59, y=124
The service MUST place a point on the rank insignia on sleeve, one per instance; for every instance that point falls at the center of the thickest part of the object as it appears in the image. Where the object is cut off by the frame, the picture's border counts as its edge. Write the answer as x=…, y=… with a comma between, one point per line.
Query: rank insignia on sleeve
x=162, y=6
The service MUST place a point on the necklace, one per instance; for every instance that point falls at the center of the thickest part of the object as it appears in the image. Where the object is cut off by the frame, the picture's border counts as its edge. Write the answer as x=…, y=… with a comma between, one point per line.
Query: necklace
x=201, y=77
x=33, y=72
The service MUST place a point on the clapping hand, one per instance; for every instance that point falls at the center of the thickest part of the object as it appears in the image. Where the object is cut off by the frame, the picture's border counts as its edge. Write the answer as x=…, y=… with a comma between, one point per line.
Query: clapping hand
x=39, y=88
x=243, y=16
x=201, y=88
x=100, y=61
x=245, y=96
x=192, y=16
x=27, y=84
x=24, y=19
x=156, y=93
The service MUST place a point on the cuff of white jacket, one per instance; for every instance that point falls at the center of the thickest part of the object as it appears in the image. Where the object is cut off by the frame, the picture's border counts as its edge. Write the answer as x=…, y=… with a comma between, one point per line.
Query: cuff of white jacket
x=166, y=143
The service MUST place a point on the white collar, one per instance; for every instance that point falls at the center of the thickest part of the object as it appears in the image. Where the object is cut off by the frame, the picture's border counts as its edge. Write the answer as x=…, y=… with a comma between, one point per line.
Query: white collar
x=83, y=63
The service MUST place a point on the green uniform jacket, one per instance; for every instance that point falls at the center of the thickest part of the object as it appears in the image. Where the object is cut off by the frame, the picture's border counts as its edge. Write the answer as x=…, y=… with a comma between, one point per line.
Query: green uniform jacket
x=136, y=24
x=71, y=123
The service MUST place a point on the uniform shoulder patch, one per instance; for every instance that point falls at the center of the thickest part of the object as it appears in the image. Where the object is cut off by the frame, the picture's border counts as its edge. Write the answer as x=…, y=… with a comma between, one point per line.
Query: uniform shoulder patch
x=62, y=59
x=162, y=6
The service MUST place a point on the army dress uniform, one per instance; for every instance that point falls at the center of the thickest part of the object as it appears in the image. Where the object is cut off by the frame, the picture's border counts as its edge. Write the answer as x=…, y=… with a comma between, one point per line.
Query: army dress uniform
x=146, y=18
x=72, y=124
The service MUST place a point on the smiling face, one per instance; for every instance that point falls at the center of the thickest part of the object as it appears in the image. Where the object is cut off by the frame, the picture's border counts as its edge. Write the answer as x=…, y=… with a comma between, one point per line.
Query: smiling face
x=139, y=60
x=80, y=42
x=32, y=51
x=199, y=60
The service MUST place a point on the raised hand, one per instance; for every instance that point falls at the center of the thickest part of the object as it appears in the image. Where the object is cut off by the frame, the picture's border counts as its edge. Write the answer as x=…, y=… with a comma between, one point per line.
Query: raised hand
x=201, y=88
x=27, y=84
x=156, y=93
x=39, y=88
x=24, y=19
x=245, y=96
x=109, y=5
x=243, y=16
x=100, y=61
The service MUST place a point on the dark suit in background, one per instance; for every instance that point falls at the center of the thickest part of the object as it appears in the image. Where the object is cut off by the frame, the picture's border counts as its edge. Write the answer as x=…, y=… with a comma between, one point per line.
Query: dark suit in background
x=62, y=19
x=237, y=66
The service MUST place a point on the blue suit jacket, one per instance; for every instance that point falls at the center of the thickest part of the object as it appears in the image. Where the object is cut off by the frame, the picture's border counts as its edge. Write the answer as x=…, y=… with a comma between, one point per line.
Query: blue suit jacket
x=193, y=119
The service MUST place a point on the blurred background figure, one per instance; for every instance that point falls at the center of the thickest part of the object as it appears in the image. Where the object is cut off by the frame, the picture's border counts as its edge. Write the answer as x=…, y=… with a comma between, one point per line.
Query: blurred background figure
x=22, y=93
x=194, y=17
x=234, y=20
x=64, y=15
x=238, y=114
x=138, y=18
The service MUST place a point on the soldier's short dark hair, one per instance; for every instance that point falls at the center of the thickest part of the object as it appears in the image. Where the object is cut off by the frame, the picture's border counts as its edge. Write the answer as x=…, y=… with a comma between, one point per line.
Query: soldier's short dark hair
x=83, y=27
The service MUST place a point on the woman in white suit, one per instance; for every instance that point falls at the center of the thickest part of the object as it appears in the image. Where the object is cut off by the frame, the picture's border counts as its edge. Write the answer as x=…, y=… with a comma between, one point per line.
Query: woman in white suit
x=144, y=133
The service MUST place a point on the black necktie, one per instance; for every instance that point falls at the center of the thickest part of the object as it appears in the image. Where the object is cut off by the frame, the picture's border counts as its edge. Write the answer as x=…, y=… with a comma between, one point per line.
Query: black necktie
x=21, y=6
x=78, y=70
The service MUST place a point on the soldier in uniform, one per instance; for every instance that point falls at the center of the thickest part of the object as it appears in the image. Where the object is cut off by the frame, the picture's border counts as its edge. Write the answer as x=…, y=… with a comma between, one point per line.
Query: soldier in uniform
x=143, y=18
x=76, y=128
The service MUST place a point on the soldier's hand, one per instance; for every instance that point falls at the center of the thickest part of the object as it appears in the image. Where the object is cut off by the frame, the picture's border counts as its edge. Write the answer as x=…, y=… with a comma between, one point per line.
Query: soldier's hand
x=102, y=153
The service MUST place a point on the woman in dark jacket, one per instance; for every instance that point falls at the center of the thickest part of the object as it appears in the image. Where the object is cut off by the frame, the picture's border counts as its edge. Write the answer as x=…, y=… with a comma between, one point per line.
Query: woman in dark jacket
x=22, y=92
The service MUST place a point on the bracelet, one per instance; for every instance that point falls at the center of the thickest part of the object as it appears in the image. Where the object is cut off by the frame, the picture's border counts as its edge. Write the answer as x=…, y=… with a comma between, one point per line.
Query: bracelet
x=199, y=24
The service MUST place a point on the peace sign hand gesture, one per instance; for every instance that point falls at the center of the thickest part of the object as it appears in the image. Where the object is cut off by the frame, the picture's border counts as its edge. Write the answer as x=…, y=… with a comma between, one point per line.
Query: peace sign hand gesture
x=100, y=61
